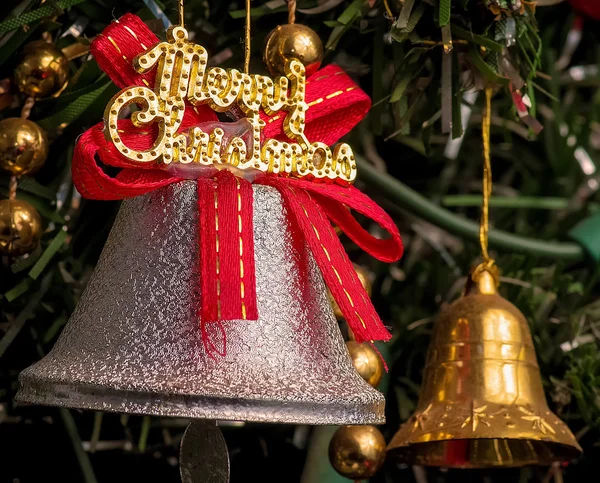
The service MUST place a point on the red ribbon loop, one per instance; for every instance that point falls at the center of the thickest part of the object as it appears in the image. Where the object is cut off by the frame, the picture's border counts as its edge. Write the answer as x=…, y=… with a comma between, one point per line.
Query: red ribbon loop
x=225, y=201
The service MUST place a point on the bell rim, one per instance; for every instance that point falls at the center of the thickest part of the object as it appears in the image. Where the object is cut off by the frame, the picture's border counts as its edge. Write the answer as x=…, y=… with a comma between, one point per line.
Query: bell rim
x=188, y=406
x=438, y=423
x=561, y=452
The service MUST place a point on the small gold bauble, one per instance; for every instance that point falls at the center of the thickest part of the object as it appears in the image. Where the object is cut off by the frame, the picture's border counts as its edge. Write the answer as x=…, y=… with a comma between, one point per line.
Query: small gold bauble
x=43, y=72
x=363, y=276
x=23, y=146
x=357, y=452
x=293, y=41
x=20, y=227
x=366, y=361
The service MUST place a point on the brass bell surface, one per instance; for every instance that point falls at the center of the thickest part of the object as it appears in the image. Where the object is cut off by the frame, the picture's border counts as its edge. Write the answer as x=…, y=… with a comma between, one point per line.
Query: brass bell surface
x=482, y=403
x=133, y=344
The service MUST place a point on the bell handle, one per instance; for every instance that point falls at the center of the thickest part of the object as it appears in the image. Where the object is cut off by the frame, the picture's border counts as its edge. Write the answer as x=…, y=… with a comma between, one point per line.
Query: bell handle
x=482, y=280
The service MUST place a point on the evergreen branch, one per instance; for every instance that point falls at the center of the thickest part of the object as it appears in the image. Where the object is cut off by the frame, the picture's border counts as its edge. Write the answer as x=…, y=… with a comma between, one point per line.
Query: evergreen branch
x=35, y=15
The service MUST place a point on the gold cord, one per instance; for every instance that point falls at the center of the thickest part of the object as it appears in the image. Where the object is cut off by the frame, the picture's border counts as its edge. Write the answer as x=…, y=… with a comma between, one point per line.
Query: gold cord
x=488, y=263
x=27, y=107
x=291, y=11
x=388, y=10
x=181, y=12
x=25, y=112
x=247, y=41
x=12, y=188
x=487, y=176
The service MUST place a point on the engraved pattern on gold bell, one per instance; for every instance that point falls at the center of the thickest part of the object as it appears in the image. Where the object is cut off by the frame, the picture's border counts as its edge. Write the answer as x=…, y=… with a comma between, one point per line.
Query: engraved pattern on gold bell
x=482, y=402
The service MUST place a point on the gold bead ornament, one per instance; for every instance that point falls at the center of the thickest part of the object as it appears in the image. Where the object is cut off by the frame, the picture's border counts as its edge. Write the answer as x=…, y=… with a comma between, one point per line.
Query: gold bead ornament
x=43, y=72
x=20, y=227
x=366, y=361
x=23, y=146
x=357, y=452
x=293, y=41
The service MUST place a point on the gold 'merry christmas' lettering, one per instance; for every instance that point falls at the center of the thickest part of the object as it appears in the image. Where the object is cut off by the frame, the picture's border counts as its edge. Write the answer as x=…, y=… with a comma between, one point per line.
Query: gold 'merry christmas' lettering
x=181, y=73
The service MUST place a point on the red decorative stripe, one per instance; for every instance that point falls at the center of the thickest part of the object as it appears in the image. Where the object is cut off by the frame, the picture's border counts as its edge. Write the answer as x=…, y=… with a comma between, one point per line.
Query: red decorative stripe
x=227, y=248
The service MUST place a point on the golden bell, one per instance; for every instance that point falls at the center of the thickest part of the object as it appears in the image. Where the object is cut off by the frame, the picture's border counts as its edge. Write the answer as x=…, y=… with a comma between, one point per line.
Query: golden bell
x=482, y=403
x=366, y=361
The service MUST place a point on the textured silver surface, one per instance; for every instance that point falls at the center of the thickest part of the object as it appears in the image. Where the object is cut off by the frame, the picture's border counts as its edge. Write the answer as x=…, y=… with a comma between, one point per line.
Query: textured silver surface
x=204, y=457
x=133, y=343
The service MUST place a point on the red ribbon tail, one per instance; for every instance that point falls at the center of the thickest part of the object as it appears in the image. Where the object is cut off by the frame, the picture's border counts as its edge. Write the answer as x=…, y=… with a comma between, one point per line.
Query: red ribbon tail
x=335, y=266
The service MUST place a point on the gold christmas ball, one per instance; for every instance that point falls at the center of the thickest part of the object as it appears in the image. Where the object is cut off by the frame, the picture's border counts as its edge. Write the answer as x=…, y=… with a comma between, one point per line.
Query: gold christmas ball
x=363, y=276
x=23, y=146
x=43, y=72
x=366, y=361
x=293, y=41
x=357, y=452
x=20, y=227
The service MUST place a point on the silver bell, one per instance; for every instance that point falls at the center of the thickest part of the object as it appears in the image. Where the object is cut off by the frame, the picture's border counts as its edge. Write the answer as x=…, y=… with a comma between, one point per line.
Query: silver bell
x=133, y=344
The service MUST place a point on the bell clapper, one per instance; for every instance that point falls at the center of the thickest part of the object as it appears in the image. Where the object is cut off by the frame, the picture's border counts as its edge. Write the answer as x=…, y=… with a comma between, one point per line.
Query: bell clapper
x=203, y=457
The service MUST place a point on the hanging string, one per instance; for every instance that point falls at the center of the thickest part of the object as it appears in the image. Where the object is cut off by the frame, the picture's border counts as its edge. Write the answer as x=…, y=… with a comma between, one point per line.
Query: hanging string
x=291, y=11
x=487, y=177
x=27, y=107
x=30, y=101
x=25, y=113
x=488, y=263
x=388, y=10
x=181, y=12
x=247, y=41
x=12, y=188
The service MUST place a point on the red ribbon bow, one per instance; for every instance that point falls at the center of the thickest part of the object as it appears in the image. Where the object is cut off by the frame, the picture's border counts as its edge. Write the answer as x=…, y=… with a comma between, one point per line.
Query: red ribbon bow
x=227, y=267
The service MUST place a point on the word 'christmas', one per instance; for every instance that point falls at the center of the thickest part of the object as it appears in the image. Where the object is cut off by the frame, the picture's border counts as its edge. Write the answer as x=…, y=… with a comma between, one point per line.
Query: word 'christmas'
x=182, y=74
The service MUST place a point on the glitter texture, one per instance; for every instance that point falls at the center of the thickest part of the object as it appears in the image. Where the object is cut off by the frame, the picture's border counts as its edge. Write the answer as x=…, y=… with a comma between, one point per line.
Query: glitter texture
x=133, y=344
